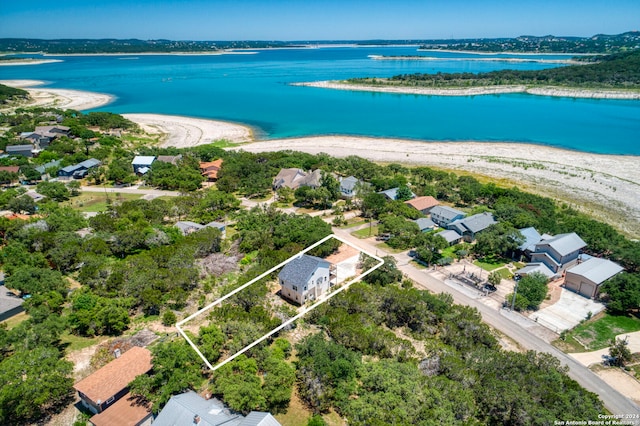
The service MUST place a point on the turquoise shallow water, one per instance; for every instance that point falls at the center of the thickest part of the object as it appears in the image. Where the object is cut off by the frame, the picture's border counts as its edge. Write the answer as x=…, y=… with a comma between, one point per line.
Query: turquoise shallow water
x=254, y=89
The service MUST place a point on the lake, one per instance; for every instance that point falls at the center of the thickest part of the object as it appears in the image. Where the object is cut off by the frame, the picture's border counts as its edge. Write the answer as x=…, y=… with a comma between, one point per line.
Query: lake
x=253, y=88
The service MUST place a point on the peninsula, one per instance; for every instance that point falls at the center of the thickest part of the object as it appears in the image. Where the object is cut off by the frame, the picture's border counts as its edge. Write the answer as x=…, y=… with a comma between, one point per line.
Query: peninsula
x=615, y=76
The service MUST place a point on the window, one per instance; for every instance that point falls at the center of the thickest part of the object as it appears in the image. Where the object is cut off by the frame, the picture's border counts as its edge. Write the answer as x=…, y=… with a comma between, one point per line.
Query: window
x=295, y=288
x=110, y=400
x=305, y=288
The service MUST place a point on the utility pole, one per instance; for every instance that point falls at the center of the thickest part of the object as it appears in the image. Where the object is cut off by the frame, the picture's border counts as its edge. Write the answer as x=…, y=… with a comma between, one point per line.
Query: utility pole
x=515, y=292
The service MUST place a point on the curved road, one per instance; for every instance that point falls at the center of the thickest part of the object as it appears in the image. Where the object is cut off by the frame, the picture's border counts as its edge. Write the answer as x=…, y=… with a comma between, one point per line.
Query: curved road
x=505, y=322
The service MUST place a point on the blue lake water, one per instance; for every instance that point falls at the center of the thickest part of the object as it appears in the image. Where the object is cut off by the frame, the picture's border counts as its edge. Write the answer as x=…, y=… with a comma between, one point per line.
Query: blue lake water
x=254, y=89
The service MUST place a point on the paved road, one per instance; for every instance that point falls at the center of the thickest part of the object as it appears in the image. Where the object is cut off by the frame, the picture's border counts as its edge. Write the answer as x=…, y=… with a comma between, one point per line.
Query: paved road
x=510, y=324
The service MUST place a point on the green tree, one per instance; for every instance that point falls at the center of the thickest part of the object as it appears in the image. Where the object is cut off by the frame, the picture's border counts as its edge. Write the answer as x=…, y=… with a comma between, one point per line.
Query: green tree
x=386, y=274
x=532, y=289
x=35, y=280
x=404, y=193
x=55, y=190
x=620, y=352
x=622, y=292
x=494, y=278
x=22, y=204
x=239, y=385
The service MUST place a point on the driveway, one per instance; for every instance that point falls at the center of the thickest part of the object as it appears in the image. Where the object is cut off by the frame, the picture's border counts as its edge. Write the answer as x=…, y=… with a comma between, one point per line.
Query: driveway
x=567, y=312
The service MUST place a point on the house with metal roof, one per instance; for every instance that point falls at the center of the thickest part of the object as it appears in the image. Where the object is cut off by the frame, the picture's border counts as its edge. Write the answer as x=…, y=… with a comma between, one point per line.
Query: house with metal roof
x=189, y=408
x=423, y=204
x=444, y=215
x=451, y=237
x=425, y=224
x=305, y=278
x=142, y=163
x=348, y=186
x=531, y=238
x=558, y=252
x=470, y=226
x=531, y=268
x=106, y=386
x=10, y=304
x=42, y=169
x=587, y=277
x=23, y=150
x=187, y=227
x=79, y=170
x=392, y=194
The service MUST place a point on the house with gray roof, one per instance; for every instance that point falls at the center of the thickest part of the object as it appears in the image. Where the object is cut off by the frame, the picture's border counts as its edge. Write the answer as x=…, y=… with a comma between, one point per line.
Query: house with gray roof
x=295, y=178
x=23, y=150
x=531, y=268
x=444, y=215
x=189, y=408
x=348, y=186
x=392, y=194
x=305, y=278
x=531, y=238
x=587, y=277
x=80, y=169
x=142, y=164
x=451, y=237
x=470, y=226
x=559, y=252
x=187, y=227
x=425, y=224
x=50, y=165
x=10, y=304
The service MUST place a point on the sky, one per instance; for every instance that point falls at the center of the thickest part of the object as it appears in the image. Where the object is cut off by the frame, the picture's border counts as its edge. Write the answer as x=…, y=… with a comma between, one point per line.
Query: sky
x=314, y=19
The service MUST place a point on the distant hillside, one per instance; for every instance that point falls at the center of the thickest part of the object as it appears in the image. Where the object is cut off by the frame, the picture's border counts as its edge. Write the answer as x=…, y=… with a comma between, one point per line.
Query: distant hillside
x=8, y=93
x=600, y=43
x=620, y=70
x=88, y=46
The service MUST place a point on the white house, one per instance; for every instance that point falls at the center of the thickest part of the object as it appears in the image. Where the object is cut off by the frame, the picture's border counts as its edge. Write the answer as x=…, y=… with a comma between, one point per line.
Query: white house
x=305, y=278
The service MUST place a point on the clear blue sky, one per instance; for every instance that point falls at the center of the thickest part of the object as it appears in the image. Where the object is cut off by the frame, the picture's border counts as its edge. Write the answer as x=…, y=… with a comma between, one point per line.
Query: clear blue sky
x=313, y=19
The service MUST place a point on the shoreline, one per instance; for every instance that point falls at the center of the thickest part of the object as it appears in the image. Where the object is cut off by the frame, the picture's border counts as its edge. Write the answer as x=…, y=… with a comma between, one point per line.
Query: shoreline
x=480, y=90
x=606, y=187
x=476, y=52
x=511, y=60
x=16, y=62
x=59, y=98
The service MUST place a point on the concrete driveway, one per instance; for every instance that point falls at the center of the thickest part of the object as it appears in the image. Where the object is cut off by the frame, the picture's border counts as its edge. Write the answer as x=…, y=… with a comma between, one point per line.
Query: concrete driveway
x=567, y=312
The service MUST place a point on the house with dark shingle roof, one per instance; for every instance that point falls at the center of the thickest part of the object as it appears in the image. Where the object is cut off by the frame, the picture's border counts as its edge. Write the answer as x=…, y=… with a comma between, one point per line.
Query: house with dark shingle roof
x=470, y=226
x=79, y=169
x=105, y=387
x=443, y=215
x=127, y=411
x=23, y=150
x=305, y=278
x=189, y=408
x=423, y=204
x=587, y=277
x=559, y=252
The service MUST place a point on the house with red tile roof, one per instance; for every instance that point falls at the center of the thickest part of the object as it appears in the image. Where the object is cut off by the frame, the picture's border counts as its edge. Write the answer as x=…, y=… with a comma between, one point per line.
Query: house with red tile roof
x=210, y=169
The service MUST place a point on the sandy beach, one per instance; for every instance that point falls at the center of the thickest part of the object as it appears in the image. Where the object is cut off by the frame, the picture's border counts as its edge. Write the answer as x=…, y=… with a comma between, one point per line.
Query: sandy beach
x=59, y=98
x=183, y=132
x=476, y=91
x=15, y=62
x=605, y=186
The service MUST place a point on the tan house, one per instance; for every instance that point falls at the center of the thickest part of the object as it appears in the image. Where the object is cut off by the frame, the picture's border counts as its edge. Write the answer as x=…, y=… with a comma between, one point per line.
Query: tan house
x=587, y=277
x=108, y=385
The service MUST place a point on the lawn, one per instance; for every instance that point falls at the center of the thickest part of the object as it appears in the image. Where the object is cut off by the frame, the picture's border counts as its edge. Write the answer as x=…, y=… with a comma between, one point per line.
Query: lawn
x=597, y=334
x=78, y=342
x=355, y=221
x=489, y=265
x=366, y=232
x=97, y=201
x=505, y=273
x=15, y=320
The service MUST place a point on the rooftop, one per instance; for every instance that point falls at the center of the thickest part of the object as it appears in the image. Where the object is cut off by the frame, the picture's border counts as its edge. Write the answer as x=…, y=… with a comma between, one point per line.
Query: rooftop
x=115, y=376
x=476, y=223
x=349, y=183
x=423, y=203
x=446, y=212
x=564, y=243
x=301, y=268
x=424, y=223
x=449, y=235
x=143, y=160
x=531, y=238
x=596, y=269
x=8, y=300
x=127, y=411
x=536, y=267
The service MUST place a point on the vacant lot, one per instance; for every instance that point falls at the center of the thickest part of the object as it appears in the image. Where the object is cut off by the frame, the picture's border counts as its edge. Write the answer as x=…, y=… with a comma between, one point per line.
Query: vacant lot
x=598, y=332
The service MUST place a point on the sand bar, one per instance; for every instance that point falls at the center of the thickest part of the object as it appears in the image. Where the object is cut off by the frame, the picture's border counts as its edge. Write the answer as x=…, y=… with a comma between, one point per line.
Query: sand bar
x=481, y=90
x=606, y=186
x=14, y=62
x=183, y=132
x=59, y=98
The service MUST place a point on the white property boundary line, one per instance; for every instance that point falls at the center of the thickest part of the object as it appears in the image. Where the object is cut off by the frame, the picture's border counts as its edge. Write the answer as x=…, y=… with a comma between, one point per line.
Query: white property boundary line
x=286, y=323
